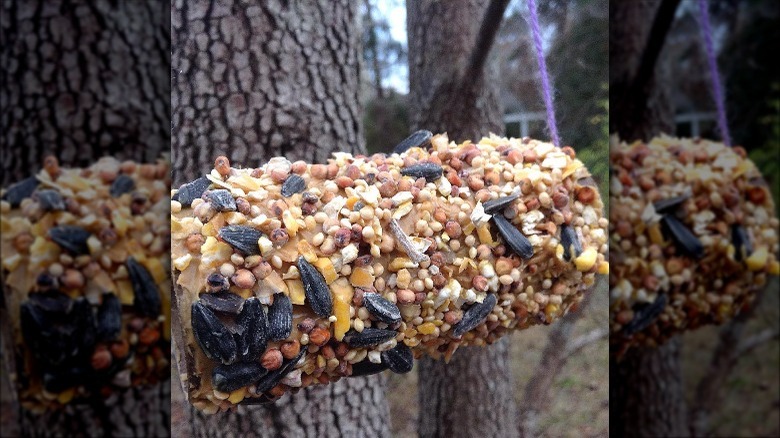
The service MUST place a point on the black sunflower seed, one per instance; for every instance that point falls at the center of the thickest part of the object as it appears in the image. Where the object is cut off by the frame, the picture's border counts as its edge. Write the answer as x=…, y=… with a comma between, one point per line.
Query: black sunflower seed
x=292, y=185
x=271, y=379
x=214, y=338
x=16, y=193
x=52, y=301
x=741, y=241
x=400, y=359
x=71, y=238
x=147, y=297
x=191, y=191
x=430, y=171
x=83, y=318
x=644, y=315
x=669, y=203
x=242, y=238
x=228, y=378
x=61, y=380
x=317, y=291
x=474, y=316
x=683, y=237
x=381, y=309
x=109, y=319
x=420, y=139
x=498, y=205
x=223, y=302
x=121, y=185
x=369, y=337
x=49, y=200
x=514, y=239
x=367, y=368
x=280, y=315
x=222, y=200
x=253, y=326
x=570, y=241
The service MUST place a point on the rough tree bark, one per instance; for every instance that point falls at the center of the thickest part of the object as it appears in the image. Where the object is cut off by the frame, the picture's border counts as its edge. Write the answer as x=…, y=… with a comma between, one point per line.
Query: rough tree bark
x=80, y=81
x=452, y=90
x=647, y=384
x=261, y=80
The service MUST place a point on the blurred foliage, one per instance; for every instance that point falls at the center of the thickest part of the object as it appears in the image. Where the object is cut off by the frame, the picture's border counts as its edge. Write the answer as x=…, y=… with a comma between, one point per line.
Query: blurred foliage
x=767, y=158
x=579, y=63
x=381, y=52
x=385, y=121
x=596, y=155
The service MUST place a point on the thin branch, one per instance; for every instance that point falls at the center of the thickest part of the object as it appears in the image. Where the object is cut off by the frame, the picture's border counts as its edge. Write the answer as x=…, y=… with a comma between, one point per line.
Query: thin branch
x=491, y=22
x=724, y=358
x=655, y=42
x=554, y=357
x=583, y=341
x=756, y=341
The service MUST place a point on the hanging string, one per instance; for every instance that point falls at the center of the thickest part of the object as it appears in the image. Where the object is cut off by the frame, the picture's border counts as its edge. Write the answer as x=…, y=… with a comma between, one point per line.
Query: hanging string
x=717, y=89
x=546, y=92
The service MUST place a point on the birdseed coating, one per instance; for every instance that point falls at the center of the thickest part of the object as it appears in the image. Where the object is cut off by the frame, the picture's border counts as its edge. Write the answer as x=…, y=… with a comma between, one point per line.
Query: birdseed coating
x=375, y=260
x=692, y=237
x=85, y=267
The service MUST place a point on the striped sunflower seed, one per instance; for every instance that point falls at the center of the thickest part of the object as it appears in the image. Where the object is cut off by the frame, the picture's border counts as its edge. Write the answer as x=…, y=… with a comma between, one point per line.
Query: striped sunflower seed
x=369, y=337
x=147, y=297
x=49, y=200
x=280, y=315
x=381, y=309
x=474, y=316
x=400, y=359
x=71, y=238
x=121, y=185
x=253, y=326
x=272, y=379
x=315, y=288
x=223, y=302
x=221, y=200
x=228, y=378
x=741, y=241
x=683, y=237
x=20, y=191
x=430, y=171
x=292, y=185
x=214, y=338
x=420, y=139
x=514, y=239
x=496, y=206
x=367, y=368
x=645, y=314
x=242, y=238
x=191, y=191
x=109, y=318
x=570, y=242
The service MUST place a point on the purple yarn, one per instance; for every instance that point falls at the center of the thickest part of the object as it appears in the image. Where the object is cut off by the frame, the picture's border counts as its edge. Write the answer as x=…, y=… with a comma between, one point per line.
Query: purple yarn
x=543, y=71
x=717, y=90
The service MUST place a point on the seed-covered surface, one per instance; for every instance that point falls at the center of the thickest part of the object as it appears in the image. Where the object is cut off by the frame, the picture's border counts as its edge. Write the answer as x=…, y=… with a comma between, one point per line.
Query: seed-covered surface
x=81, y=325
x=692, y=237
x=382, y=257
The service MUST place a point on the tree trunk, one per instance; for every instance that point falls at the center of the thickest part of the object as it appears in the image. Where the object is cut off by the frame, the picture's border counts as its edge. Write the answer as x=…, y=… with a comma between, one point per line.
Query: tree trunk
x=263, y=80
x=473, y=394
x=253, y=82
x=646, y=387
x=637, y=90
x=81, y=81
x=647, y=384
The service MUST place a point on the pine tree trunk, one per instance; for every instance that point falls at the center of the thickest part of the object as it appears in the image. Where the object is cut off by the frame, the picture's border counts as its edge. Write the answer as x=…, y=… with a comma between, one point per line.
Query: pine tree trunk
x=80, y=81
x=473, y=394
x=646, y=385
x=262, y=80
